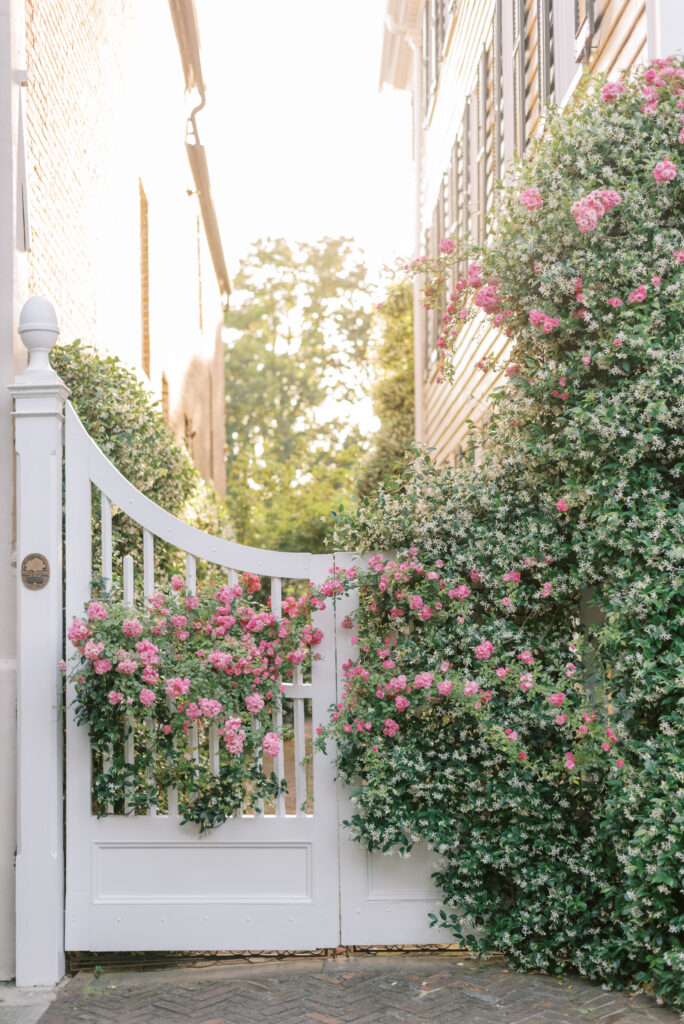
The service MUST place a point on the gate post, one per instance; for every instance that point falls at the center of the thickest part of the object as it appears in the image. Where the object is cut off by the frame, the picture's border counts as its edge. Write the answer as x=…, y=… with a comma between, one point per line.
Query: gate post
x=39, y=397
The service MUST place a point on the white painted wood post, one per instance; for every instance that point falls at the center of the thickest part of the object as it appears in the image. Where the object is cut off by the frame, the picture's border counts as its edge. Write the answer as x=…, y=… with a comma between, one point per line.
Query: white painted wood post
x=39, y=397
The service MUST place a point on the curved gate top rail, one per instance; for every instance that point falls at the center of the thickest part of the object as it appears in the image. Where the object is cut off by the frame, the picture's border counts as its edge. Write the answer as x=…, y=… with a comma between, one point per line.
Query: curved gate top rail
x=86, y=458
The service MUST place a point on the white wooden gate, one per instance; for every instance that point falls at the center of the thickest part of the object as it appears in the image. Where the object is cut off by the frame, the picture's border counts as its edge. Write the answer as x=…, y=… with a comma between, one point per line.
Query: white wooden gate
x=286, y=880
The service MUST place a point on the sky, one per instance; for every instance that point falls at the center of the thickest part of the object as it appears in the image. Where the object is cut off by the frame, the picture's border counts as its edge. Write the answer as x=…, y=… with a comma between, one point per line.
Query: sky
x=300, y=141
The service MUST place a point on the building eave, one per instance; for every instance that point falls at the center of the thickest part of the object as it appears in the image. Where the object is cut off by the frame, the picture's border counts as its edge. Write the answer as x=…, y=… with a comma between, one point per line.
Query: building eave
x=400, y=37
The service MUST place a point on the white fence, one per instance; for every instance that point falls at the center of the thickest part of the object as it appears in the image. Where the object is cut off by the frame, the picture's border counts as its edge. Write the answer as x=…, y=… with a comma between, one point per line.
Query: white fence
x=286, y=879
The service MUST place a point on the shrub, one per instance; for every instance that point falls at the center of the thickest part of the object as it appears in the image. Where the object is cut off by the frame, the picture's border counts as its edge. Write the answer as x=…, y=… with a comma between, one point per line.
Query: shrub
x=127, y=424
x=560, y=824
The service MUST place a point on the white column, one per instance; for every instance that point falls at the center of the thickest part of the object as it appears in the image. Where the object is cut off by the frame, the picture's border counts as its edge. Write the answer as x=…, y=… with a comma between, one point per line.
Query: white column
x=39, y=397
x=665, y=27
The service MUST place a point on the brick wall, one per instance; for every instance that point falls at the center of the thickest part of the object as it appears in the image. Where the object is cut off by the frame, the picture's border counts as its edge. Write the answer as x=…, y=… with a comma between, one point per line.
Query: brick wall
x=106, y=119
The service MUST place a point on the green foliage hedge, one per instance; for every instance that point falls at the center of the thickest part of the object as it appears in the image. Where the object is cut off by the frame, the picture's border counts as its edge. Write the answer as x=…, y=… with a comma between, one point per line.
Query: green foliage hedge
x=127, y=424
x=542, y=756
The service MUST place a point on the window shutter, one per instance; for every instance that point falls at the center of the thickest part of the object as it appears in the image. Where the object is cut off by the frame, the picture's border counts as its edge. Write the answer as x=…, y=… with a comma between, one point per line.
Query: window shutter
x=519, y=75
x=497, y=93
x=584, y=11
x=543, y=52
x=464, y=198
x=482, y=146
x=427, y=70
x=584, y=28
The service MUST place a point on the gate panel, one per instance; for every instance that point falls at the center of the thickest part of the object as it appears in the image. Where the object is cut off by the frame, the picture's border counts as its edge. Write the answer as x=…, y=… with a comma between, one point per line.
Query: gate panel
x=147, y=882
x=386, y=898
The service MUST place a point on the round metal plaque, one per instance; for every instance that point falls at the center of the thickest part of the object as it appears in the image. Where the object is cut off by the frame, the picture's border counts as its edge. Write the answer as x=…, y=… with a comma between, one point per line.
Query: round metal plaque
x=35, y=571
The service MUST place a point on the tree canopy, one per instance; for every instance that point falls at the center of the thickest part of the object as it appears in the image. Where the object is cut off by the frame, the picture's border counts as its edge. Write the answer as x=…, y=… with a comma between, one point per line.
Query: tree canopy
x=295, y=371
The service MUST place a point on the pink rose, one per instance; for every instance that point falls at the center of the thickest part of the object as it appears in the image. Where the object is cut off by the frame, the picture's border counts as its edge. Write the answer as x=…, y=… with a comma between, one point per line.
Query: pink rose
x=664, y=171
x=611, y=90
x=147, y=697
x=556, y=698
x=470, y=688
x=254, y=702
x=444, y=687
x=562, y=505
x=114, y=697
x=132, y=627
x=391, y=727
x=401, y=703
x=96, y=611
x=271, y=743
x=531, y=199
x=446, y=246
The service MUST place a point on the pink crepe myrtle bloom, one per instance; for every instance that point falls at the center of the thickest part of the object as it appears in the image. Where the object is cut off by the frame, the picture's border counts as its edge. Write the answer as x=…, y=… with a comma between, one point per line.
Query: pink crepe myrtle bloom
x=115, y=697
x=531, y=198
x=391, y=727
x=132, y=627
x=556, y=698
x=562, y=505
x=96, y=611
x=444, y=687
x=664, y=171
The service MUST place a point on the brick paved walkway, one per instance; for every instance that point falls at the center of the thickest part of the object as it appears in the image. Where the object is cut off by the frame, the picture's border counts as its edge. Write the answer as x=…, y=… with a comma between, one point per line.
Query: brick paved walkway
x=363, y=989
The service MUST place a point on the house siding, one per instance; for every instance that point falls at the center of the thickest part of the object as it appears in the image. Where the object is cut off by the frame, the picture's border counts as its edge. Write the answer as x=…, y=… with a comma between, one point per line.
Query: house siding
x=619, y=42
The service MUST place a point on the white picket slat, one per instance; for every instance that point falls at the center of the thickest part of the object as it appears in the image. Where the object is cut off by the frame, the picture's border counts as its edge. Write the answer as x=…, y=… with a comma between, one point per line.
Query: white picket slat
x=190, y=574
x=128, y=589
x=106, y=535
x=300, y=753
x=213, y=740
x=148, y=563
x=279, y=762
